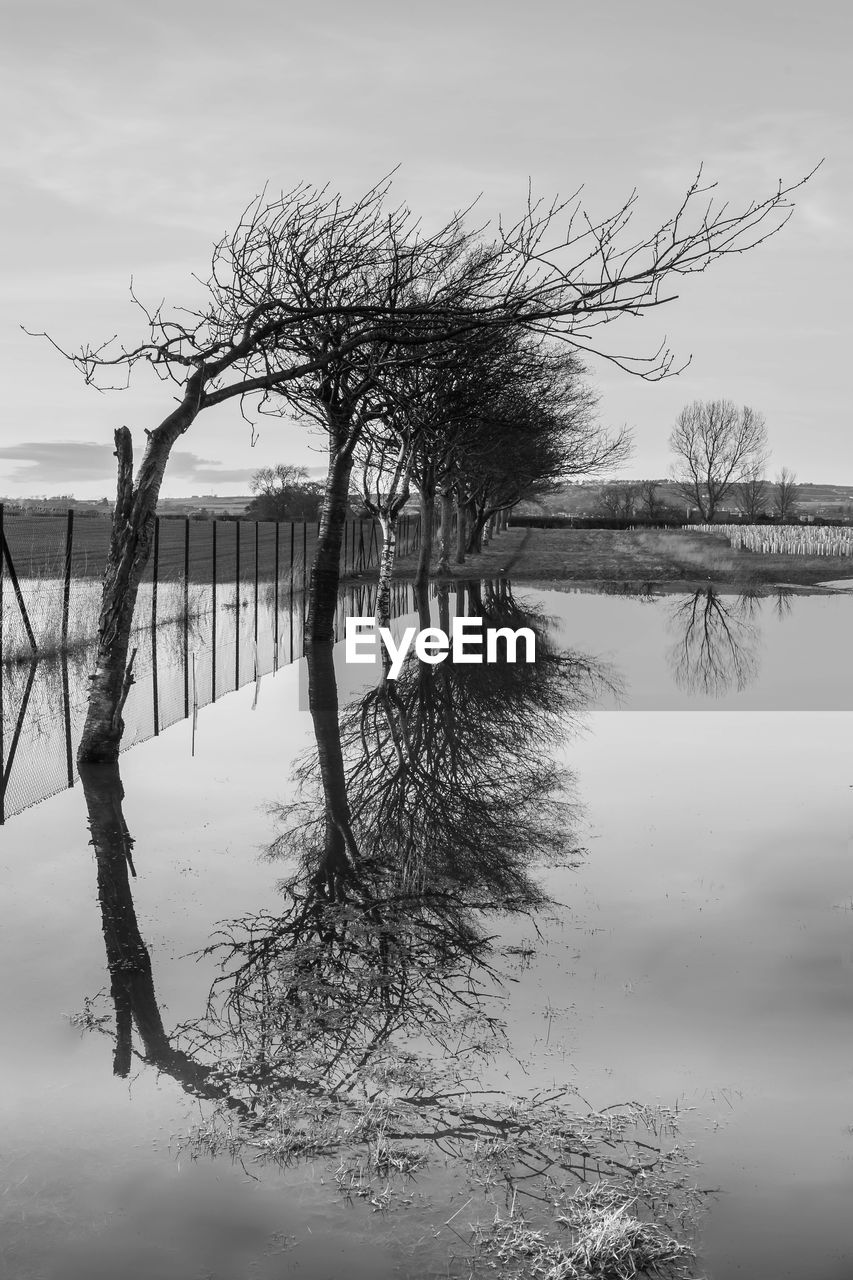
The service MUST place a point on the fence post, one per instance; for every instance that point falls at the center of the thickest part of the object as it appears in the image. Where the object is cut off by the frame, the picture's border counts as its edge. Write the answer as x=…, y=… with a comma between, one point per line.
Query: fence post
x=186, y=566
x=66, y=587
x=2, y=574
x=156, y=572
x=66, y=715
x=275, y=595
x=257, y=548
x=213, y=622
x=237, y=568
x=186, y=617
x=6, y=554
x=237, y=614
x=2, y=743
x=305, y=553
x=155, y=692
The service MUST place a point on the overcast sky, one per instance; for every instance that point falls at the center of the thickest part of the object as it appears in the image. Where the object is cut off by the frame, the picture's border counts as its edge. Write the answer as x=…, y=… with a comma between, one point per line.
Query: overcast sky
x=134, y=135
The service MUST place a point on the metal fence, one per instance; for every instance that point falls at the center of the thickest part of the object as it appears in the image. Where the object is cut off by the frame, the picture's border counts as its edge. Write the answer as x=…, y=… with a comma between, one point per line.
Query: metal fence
x=51, y=566
x=180, y=668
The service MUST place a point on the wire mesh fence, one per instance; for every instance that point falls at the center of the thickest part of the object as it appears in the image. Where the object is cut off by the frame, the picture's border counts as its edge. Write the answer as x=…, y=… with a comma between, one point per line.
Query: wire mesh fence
x=51, y=567
x=222, y=602
x=179, y=668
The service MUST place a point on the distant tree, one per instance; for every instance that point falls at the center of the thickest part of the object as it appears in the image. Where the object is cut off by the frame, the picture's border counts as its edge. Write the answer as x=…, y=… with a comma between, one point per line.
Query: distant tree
x=649, y=501
x=618, y=501
x=284, y=492
x=716, y=446
x=786, y=491
x=751, y=495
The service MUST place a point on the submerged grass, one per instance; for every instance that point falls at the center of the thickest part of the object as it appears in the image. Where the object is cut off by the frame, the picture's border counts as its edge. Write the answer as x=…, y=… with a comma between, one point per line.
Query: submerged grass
x=605, y=1239
x=43, y=599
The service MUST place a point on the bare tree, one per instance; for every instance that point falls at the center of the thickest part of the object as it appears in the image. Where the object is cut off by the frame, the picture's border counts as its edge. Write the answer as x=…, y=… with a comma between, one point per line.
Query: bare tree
x=307, y=283
x=619, y=500
x=284, y=492
x=751, y=494
x=716, y=445
x=271, y=481
x=649, y=499
x=786, y=492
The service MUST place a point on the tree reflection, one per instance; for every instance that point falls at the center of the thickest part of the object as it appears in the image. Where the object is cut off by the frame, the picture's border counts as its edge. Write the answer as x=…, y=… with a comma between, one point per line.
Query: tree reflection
x=422, y=811
x=350, y=1022
x=717, y=646
x=128, y=960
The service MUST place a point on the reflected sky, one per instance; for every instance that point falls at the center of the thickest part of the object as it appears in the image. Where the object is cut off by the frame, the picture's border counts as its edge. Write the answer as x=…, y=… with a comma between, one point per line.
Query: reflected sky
x=697, y=954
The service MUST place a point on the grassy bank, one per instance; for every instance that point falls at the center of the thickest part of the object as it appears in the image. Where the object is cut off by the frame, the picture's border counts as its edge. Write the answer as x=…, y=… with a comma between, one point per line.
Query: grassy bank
x=640, y=558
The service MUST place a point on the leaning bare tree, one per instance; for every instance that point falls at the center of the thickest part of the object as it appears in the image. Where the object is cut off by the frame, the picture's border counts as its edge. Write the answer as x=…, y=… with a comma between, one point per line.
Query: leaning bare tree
x=716, y=446
x=307, y=281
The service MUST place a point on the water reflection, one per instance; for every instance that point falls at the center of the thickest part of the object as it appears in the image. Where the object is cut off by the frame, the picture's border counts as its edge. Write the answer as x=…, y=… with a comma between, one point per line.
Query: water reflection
x=718, y=641
x=357, y=1020
x=128, y=960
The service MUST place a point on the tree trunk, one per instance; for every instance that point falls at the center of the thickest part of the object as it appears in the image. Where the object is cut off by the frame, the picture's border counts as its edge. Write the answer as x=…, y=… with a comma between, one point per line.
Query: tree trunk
x=475, y=537
x=427, y=523
x=421, y=597
x=128, y=959
x=446, y=538
x=339, y=858
x=326, y=569
x=130, y=545
x=461, y=540
x=386, y=568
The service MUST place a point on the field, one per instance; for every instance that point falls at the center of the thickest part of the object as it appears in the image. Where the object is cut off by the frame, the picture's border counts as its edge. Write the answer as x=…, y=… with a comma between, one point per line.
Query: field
x=644, y=557
x=37, y=546
x=829, y=500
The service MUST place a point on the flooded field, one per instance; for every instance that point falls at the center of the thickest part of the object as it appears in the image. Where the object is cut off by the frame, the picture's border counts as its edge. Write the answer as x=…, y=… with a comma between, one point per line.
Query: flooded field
x=443, y=977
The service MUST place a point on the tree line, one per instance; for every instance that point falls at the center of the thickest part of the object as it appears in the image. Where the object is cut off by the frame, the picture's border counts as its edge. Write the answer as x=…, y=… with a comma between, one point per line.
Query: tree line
x=447, y=360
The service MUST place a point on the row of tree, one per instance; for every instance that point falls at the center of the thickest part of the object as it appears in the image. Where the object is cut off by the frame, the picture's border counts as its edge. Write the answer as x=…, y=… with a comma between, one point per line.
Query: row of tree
x=753, y=498
x=449, y=358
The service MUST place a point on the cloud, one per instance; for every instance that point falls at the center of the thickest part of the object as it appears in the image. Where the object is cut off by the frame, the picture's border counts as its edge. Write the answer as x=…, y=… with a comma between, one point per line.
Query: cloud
x=52, y=462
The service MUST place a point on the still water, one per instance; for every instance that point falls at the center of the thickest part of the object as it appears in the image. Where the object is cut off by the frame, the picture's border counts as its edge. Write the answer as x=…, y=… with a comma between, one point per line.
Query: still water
x=519, y=928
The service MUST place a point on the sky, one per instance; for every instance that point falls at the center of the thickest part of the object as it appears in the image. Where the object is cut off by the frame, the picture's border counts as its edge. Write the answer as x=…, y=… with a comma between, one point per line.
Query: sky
x=135, y=135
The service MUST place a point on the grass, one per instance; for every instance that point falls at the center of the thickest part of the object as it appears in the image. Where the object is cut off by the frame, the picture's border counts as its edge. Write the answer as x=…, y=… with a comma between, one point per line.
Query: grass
x=639, y=559
x=606, y=1239
x=43, y=599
